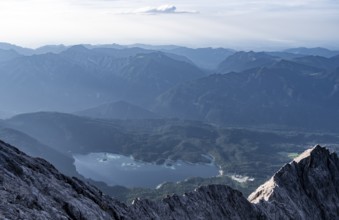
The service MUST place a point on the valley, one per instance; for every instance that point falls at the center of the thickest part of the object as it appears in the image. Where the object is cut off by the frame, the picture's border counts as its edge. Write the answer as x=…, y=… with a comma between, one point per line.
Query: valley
x=147, y=122
x=157, y=145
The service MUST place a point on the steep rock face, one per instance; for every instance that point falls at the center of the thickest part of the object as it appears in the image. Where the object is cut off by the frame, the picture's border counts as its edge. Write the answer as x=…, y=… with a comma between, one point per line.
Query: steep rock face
x=34, y=148
x=210, y=202
x=306, y=188
x=33, y=189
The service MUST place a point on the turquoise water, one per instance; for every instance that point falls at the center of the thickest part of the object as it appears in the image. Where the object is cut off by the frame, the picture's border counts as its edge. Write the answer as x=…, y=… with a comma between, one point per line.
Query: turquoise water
x=116, y=169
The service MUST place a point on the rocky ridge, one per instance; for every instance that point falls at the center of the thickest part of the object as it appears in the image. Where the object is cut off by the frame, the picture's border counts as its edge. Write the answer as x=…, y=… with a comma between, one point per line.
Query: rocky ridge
x=307, y=188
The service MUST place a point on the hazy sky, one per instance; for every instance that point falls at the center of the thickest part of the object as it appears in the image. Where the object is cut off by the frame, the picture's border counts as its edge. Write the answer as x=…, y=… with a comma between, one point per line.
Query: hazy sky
x=238, y=24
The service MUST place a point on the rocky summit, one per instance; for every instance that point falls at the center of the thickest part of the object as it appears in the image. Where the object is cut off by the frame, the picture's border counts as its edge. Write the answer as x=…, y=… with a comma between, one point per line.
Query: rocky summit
x=306, y=188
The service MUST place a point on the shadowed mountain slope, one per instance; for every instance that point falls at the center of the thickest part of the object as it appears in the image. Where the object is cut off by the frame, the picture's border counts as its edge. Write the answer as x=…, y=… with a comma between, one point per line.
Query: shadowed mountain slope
x=285, y=94
x=317, y=51
x=207, y=58
x=78, y=78
x=118, y=110
x=241, y=61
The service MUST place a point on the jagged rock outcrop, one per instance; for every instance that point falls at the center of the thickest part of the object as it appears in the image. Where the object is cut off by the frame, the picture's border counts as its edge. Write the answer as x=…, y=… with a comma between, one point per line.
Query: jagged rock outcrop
x=31, y=188
x=209, y=202
x=306, y=188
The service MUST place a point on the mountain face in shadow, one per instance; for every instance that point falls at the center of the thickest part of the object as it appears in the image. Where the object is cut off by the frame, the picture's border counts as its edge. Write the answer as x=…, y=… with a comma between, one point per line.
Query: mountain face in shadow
x=6, y=55
x=328, y=64
x=118, y=110
x=156, y=140
x=152, y=74
x=206, y=58
x=35, y=148
x=241, y=61
x=54, y=83
x=285, y=93
x=304, y=189
x=317, y=51
x=79, y=77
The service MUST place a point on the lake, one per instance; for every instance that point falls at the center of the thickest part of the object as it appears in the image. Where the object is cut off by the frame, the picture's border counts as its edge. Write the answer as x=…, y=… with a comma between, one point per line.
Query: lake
x=114, y=169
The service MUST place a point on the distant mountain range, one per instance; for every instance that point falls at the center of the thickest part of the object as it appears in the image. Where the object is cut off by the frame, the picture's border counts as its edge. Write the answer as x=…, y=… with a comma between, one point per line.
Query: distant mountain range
x=300, y=93
x=283, y=89
x=78, y=78
x=317, y=51
x=241, y=61
x=206, y=58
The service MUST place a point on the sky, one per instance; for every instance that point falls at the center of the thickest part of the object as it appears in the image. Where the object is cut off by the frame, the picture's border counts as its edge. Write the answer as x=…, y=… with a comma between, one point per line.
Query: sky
x=238, y=24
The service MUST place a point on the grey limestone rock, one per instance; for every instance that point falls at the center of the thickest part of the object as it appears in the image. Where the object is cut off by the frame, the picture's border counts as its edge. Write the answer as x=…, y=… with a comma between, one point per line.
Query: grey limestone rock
x=307, y=188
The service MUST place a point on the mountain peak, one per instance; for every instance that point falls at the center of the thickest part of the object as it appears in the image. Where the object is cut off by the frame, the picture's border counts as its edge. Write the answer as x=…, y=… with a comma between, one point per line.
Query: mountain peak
x=78, y=48
x=241, y=61
x=316, y=151
x=306, y=188
x=313, y=51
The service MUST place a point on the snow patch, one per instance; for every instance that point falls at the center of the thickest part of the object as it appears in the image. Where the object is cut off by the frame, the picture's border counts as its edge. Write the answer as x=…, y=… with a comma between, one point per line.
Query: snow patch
x=242, y=179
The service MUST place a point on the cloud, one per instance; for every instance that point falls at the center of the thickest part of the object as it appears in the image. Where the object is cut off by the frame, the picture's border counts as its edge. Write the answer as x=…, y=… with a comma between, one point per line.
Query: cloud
x=160, y=9
x=163, y=9
x=232, y=23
